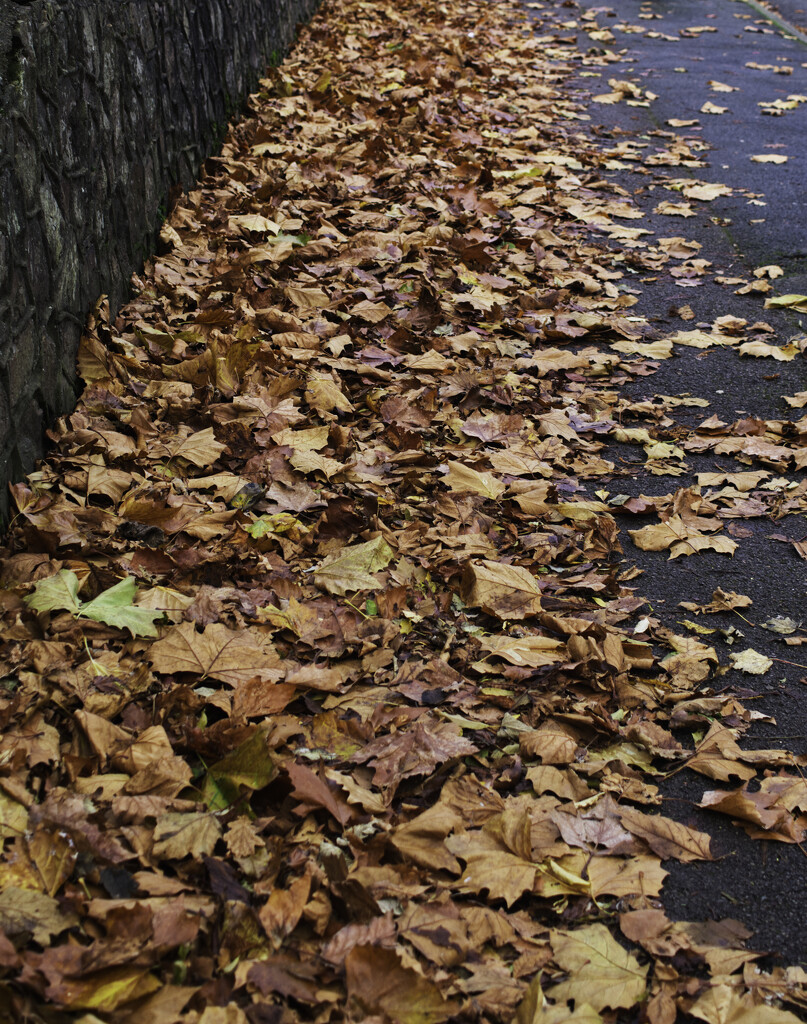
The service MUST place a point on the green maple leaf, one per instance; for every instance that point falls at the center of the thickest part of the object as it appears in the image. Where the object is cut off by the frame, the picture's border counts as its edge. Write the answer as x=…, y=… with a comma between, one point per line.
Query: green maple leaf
x=116, y=607
x=56, y=593
x=113, y=607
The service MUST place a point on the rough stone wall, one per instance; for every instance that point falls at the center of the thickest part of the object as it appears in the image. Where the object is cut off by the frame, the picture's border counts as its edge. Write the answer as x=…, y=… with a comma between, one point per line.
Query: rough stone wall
x=105, y=105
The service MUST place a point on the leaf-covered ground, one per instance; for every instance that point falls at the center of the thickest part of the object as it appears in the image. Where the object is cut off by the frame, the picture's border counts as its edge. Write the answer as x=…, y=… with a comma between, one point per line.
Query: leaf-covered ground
x=328, y=692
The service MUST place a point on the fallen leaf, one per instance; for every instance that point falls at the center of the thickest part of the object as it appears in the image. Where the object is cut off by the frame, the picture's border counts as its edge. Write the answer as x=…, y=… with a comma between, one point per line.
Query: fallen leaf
x=751, y=662
x=355, y=568
x=602, y=973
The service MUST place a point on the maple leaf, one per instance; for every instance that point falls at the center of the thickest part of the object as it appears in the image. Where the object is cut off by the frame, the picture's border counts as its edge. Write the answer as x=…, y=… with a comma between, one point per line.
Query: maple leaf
x=464, y=478
x=354, y=568
x=228, y=655
x=377, y=981
x=507, y=591
x=114, y=607
x=186, y=834
x=602, y=972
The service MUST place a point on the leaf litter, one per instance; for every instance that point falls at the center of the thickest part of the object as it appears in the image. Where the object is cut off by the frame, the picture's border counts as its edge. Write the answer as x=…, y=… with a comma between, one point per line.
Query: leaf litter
x=325, y=692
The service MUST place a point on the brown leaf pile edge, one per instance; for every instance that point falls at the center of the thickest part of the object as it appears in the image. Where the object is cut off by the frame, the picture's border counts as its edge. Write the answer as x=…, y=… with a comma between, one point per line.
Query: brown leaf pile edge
x=395, y=752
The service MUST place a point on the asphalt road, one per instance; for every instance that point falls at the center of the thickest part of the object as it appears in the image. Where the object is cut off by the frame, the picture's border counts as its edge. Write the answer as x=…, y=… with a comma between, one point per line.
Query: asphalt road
x=764, y=884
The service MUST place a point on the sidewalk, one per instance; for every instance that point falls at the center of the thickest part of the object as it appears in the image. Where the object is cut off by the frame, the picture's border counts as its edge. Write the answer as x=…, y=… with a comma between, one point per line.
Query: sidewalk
x=346, y=674
x=760, y=220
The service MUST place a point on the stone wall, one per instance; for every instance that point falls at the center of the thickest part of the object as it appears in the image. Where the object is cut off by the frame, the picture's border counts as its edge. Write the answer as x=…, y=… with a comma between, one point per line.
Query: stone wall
x=105, y=105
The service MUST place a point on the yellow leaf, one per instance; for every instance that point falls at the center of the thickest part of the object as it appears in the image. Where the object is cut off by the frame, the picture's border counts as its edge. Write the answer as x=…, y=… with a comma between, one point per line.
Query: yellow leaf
x=761, y=349
x=244, y=223
x=532, y=651
x=751, y=661
x=602, y=973
x=232, y=656
x=354, y=568
x=462, y=478
x=192, y=834
x=790, y=301
x=712, y=108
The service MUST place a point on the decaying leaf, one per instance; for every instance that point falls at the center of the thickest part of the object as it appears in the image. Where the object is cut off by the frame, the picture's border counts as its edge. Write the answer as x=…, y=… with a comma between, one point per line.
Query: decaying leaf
x=602, y=973
x=354, y=568
x=330, y=687
x=506, y=591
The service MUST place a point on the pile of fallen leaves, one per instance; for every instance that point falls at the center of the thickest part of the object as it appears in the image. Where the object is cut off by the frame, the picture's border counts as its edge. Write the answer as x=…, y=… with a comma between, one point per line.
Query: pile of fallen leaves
x=326, y=693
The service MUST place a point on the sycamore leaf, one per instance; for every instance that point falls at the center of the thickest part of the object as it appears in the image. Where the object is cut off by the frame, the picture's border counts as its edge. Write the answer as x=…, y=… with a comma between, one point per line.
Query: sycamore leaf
x=506, y=591
x=533, y=651
x=13, y=818
x=666, y=837
x=324, y=394
x=489, y=867
x=115, y=607
x=201, y=449
x=549, y=743
x=751, y=661
x=796, y=302
x=276, y=524
x=701, y=339
x=602, y=973
x=27, y=911
x=379, y=984
x=56, y=593
x=232, y=656
x=284, y=908
x=308, y=440
x=245, y=223
x=249, y=766
x=675, y=535
x=103, y=990
x=717, y=756
x=761, y=349
x=534, y=1009
x=354, y=568
x=462, y=478
x=723, y=1004
x=192, y=834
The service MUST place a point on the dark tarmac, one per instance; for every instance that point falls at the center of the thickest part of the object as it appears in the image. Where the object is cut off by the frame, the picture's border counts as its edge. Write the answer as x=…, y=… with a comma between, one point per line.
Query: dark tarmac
x=761, y=883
